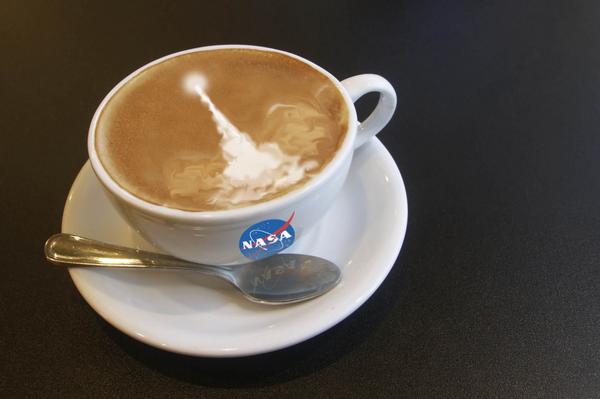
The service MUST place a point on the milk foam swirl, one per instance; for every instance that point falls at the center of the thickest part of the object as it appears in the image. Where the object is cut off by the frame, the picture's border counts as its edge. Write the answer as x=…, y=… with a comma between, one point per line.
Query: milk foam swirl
x=247, y=171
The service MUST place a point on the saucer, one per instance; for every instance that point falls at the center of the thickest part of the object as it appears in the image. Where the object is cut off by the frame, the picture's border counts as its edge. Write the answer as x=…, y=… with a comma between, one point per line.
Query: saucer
x=191, y=314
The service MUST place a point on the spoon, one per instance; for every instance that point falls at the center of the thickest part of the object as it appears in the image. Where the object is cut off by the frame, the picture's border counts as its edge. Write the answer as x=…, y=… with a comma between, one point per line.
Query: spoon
x=279, y=279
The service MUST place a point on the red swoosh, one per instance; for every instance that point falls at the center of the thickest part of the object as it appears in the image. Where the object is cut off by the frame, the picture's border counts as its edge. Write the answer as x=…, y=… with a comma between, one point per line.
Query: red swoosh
x=282, y=228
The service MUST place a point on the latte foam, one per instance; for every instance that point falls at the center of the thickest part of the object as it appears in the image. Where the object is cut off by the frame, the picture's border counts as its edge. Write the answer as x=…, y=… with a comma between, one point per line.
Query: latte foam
x=220, y=129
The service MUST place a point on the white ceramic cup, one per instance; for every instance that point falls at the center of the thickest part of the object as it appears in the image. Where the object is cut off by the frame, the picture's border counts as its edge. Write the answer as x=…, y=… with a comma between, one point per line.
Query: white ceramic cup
x=213, y=237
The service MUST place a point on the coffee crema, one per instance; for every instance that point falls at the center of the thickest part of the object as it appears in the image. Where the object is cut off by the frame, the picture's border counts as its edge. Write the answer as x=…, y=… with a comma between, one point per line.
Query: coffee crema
x=220, y=129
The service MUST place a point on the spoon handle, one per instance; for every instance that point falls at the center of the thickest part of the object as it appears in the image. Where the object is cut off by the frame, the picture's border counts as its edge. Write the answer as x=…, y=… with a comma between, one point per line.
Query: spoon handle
x=73, y=250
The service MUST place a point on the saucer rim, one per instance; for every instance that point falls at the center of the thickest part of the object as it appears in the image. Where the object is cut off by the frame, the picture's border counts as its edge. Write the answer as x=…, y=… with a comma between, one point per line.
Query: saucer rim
x=387, y=264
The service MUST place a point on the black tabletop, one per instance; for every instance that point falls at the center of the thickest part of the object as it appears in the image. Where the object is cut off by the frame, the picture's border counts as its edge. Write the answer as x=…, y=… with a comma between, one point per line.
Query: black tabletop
x=496, y=290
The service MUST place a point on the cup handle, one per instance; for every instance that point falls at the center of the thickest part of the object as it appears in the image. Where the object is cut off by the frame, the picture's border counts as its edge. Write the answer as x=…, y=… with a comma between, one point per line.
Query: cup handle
x=359, y=85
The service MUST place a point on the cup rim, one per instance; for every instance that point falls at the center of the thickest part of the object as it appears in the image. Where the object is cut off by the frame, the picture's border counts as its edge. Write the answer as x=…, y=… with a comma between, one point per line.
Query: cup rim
x=234, y=214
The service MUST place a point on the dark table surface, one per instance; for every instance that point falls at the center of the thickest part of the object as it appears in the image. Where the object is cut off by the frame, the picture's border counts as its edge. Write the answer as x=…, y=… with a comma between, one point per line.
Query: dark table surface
x=496, y=292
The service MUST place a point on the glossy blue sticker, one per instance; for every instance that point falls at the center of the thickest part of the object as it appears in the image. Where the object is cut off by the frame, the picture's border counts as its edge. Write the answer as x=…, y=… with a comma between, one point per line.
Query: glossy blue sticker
x=267, y=238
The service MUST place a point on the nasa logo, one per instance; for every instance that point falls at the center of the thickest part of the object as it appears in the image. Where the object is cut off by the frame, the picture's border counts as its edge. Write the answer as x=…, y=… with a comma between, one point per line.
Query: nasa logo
x=267, y=238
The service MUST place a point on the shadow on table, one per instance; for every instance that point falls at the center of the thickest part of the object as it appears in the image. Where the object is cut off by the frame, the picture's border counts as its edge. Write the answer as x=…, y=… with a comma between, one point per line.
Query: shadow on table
x=270, y=368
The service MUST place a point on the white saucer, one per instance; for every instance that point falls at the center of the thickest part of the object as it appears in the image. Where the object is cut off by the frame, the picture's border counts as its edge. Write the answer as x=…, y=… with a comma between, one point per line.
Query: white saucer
x=191, y=314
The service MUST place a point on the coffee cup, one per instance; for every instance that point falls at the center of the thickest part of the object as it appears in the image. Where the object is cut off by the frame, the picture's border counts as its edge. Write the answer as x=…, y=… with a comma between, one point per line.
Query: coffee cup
x=240, y=234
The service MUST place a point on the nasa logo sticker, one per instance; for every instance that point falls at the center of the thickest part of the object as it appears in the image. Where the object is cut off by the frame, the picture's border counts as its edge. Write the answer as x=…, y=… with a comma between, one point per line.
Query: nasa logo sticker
x=267, y=238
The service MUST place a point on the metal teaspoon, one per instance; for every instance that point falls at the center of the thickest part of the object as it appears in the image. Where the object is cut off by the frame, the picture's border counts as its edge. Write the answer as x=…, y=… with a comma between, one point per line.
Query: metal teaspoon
x=279, y=279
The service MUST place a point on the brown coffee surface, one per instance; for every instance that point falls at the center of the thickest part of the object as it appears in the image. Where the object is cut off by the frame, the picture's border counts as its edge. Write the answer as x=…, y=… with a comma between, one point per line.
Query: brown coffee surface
x=276, y=123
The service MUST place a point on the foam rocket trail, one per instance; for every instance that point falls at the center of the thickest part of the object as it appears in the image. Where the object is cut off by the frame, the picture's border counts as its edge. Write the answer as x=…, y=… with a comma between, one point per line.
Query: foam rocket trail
x=252, y=171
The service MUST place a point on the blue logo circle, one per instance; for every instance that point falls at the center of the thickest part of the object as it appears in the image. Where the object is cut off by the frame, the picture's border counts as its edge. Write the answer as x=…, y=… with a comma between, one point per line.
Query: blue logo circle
x=266, y=238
